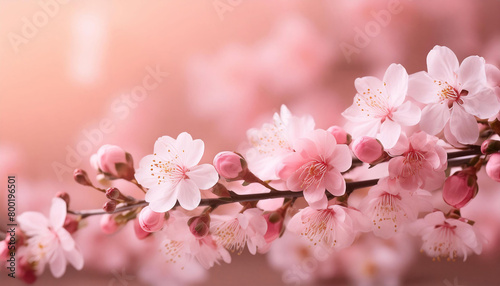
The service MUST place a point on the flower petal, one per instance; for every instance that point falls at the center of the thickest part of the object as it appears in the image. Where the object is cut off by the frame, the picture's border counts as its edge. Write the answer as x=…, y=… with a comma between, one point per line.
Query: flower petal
x=463, y=125
x=190, y=151
x=472, y=74
x=143, y=175
x=65, y=239
x=189, y=195
x=57, y=213
x=396, y=84
x=442, y=64
x=75, y=258
x=389, y=133
x=422, y=88
x=341, y=158
x=434, y=118
x=335, y=184
x=368, y=83
x=407, y=114
x=483, y=104
x=58, y=263
x=325, y=142
x=204, y=176
x=164, y=147
x=164, y=203
x=32, y=222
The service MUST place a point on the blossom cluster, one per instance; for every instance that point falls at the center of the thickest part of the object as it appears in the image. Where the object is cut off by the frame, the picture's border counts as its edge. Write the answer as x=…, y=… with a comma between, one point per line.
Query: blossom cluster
x=418, y=128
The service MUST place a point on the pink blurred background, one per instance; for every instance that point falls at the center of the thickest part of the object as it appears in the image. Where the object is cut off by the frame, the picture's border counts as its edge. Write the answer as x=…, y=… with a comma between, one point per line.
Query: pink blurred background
x=213, y=68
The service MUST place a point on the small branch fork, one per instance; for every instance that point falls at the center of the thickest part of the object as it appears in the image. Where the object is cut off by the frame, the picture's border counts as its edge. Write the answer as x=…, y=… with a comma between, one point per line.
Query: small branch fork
x=457, y=158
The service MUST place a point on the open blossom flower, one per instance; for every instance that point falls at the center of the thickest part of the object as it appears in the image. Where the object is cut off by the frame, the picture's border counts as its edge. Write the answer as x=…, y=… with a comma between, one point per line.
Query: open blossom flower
x=181, y=245
x=421, y=162
x=446, y=238
x=379, y=109
x=454, y=93
x=390, y=208
x=316, y=166
x=274, y=141
x=172, y=173
x=48, y=241
x=335, y=226
x=247, y=228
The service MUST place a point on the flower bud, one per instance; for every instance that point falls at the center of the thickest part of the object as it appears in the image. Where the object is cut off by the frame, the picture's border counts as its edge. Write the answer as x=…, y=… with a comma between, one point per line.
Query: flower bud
x=109, y=224
x=199, y=225
x=70, y=224
x=64, y=196
x=113, y=193
x=490, y=146
x=340, y=135
x=139, y=232
x=151, y=221
x=493, y=167
x=230, y=165
x=81, y=177
x=274, y=226
x=367, y=149
x=114, y=162
x=110, y=206
x=460, y=188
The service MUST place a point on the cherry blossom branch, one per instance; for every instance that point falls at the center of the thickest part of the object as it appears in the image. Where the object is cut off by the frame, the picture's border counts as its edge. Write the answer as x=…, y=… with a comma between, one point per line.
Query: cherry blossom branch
x=235, y=198
x=454, y=159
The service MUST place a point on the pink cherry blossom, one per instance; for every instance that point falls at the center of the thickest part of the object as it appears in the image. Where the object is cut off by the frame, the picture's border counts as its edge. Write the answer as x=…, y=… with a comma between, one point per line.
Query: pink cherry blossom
x=445, y=238
x=316, y=166
x=228, y=164
x=454, y=95
x=460, y=188
x=379, y=109
x=247, y=228
x=335, y=226
x=48, y=241
x=172, y=173
x=273, y=141
x=181, y=245
x=421, y=162
x=391, y=209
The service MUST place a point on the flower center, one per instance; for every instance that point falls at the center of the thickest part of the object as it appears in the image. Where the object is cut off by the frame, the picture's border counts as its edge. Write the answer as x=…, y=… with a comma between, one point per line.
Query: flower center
x=230, y=235
x=450, y=94
x=387, y=211
x=319, y=227
x=312, y=173
x=412, y=162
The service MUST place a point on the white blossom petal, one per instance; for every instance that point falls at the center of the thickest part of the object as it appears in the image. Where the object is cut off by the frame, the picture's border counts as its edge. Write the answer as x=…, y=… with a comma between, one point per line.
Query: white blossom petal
x=463, y=125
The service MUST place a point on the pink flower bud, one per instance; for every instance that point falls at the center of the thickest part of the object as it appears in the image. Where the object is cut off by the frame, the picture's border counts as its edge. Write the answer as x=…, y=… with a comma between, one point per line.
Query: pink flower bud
x=109, y=224
x=274, y=226
x=70, y=224
x=367, y=149
x=112, y=193
x=139, y=232
x=81, y=177
x=229, y=165
x=151, y=221
x=460, y=188
x=199, y=225
x=114, y=162
x=490, y=146
x=110, y=206
x=493, y=167
x=340, y=135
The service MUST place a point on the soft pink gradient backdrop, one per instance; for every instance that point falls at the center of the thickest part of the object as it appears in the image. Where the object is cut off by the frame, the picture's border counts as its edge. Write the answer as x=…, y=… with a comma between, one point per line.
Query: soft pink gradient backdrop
x=67, y=77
